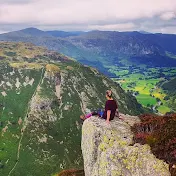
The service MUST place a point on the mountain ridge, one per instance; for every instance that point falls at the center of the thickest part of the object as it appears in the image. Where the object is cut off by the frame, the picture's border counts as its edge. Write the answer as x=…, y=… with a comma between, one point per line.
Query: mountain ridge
x=104, y=46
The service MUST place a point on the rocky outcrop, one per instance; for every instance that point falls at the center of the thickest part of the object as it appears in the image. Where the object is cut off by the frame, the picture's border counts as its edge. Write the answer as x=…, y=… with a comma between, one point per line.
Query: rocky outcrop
x=108, y=150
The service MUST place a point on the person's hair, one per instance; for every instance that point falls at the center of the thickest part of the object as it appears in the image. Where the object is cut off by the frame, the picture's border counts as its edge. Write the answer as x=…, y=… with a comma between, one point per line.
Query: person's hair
x=109, y=93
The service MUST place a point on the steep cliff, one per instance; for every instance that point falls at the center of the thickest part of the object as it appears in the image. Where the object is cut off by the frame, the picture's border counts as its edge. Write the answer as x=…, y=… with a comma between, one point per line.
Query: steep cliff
x=108, y=150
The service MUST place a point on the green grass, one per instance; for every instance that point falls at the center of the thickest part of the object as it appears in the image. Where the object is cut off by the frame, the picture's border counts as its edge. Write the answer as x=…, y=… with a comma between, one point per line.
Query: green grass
x=15, y=107
x=144, y=81
x=145, y=99
x=163, y=109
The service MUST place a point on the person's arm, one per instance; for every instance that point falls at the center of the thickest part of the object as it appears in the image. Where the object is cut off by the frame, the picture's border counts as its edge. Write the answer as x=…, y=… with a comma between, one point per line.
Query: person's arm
x=117, y=111
x=108, y=116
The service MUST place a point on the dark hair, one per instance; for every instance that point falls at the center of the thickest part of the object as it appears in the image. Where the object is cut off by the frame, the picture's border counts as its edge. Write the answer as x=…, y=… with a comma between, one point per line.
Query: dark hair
x=109, y=93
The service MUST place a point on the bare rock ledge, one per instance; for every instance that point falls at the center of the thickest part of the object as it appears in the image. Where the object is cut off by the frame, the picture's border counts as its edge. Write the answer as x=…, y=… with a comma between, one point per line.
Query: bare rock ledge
x=109, y=150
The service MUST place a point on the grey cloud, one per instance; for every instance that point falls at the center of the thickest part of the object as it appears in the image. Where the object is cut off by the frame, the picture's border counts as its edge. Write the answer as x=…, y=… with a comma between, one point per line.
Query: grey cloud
x=15, y=1
x=88, y=14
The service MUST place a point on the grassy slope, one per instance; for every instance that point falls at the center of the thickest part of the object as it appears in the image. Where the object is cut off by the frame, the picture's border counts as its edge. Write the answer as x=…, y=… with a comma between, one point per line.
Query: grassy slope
x=170, y=88
x=14, y=107
x=48, y=138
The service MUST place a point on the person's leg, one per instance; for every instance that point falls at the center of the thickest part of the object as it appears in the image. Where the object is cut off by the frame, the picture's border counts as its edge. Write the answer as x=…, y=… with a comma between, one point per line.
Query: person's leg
x=100, y=112
x=88, y=115
x=94, y=113
x=83, y=117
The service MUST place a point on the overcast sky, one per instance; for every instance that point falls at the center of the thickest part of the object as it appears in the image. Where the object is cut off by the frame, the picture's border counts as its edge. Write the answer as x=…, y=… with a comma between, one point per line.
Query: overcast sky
x=86, y=15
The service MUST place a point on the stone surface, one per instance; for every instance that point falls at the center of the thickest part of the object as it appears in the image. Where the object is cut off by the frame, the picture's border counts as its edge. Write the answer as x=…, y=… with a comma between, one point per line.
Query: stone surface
x=108, y=150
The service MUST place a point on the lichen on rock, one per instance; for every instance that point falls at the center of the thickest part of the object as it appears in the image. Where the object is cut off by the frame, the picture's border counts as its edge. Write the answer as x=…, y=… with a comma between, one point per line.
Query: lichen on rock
x=109, y=150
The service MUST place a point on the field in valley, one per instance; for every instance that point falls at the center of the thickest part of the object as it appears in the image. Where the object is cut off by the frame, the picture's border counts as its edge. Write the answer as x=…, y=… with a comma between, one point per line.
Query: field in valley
x=144, y=83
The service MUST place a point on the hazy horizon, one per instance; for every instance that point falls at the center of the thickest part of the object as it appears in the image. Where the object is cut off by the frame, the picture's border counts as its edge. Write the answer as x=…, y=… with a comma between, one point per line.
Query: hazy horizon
x=157, y=16
x=144, y=32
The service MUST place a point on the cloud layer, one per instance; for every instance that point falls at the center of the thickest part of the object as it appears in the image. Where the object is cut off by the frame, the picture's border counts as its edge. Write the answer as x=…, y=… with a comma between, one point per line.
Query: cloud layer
x=121, y=15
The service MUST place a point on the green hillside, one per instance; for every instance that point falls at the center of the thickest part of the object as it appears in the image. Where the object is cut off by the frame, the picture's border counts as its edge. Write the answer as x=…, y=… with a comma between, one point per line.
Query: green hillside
x=169, y=88
x=42, y=95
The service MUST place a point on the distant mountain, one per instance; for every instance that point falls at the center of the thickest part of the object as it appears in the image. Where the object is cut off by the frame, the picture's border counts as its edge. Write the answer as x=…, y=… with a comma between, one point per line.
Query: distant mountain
x=28, y=32
x=144, y=32
x=104, y=48
x=34, y=32
x=134, y=47
x=63, y=34
x=42, y=95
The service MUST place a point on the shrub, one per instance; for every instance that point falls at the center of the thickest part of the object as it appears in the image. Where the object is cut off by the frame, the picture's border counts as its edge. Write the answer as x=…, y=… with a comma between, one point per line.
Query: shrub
x=160, y=133
x=71, y=172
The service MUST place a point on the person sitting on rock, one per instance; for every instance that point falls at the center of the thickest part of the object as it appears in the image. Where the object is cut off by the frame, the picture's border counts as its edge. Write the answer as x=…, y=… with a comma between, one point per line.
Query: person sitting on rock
x=110, y=111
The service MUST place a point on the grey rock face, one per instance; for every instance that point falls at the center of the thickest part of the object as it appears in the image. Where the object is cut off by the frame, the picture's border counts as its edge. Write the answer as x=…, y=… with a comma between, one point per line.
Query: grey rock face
x=108, y=150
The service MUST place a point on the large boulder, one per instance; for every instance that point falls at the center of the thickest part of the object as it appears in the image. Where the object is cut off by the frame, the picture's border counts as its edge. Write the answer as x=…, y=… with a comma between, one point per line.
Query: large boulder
x=109, y=150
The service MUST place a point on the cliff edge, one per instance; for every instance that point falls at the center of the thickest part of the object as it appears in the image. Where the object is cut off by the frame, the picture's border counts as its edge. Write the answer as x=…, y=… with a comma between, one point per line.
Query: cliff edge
x=108, y=150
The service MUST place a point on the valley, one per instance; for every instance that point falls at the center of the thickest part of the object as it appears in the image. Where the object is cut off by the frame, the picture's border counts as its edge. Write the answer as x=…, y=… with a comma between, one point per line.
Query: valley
x=144, y=84
x=138, y=62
